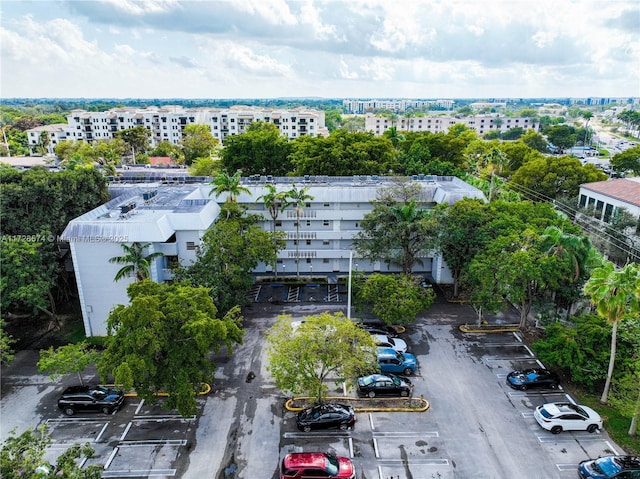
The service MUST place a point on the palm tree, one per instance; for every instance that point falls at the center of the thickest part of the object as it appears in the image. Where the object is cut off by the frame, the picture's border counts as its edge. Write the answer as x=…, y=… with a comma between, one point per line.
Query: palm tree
x=616, y=295
x=137, y=264
x=587, y=115
x=297, y=198
x=576, y=249
x=223, y=183
x=275, y=202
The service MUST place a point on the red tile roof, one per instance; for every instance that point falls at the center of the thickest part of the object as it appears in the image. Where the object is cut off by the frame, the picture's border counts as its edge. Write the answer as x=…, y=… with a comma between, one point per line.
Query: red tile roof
x=161, y=160
x=621, y=189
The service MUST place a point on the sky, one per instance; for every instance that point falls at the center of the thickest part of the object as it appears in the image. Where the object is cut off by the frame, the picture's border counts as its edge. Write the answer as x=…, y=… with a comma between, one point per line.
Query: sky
x=319, y=48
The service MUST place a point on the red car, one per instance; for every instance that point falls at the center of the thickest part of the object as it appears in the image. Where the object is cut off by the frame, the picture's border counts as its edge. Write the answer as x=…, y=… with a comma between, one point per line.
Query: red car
x=312, y=465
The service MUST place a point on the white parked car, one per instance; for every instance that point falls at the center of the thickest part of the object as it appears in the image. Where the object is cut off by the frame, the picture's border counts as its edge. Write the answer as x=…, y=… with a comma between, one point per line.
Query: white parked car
x=383, y=341
x=564, y=416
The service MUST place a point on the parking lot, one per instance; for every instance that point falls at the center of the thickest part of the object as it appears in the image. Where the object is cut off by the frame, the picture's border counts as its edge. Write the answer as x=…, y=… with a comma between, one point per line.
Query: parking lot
x=476, y=426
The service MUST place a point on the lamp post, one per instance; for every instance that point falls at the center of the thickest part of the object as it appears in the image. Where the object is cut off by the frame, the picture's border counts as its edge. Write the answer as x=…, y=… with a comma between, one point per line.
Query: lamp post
x=310, y=269
x=349, y=286
x=283, y=269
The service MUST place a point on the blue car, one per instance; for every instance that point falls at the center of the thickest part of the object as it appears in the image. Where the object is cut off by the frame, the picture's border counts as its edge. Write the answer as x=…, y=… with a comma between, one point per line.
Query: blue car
x=392, y=361
x=609, y=467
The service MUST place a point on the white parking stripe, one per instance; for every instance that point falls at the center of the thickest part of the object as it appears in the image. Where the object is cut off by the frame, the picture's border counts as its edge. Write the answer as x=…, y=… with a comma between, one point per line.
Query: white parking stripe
x=517, y=336
x=613, y=449
x=351, y=447
x=101, y=433
x=140, y=473
x=567, y=467
x=375, y=448
x=373, y=428
x=407, y=434
x=126, y=430
x=139, y=407
x=111, y=457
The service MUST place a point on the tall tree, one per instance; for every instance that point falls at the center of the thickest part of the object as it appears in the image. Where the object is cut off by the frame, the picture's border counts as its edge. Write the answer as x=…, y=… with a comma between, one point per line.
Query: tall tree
x=232, y=185
x=229, y=252
x=396, y=232
x=67, y=359
x=461, y=235
x=298, y=199
x=162, y=342
x=137, y=139
x=197, y=142
x=275, y=202
x=616, y=296
x=324, y=346
x=260, y=150
x=395, y=299
x=136, y=262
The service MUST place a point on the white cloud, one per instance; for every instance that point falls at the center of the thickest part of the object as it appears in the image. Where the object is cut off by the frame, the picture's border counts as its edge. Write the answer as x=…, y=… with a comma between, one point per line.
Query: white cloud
x=137, y=7
x=276, y=12
x=345, y=72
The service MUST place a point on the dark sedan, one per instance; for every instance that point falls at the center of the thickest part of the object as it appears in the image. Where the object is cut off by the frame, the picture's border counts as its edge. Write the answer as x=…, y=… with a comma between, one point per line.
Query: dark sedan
x=383, y=385
x=532, y=378
x=90, y=399
x=326, y=416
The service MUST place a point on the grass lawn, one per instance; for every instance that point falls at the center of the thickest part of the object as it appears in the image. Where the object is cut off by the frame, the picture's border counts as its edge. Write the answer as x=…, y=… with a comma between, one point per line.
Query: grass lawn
x=616, y=424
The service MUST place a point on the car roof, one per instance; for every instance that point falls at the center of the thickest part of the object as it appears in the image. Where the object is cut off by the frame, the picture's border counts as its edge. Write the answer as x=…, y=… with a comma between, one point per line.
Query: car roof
x=565, y=407
x=305, y=459
x=386, y=352
x=76, y=390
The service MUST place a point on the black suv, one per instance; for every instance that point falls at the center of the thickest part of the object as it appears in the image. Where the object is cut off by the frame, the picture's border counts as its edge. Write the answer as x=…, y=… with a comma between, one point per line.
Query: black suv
x=90, y=398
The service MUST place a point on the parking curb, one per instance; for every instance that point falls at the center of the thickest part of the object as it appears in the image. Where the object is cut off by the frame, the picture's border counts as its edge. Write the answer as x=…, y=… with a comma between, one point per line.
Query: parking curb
x=465, y=328
x=425, y=404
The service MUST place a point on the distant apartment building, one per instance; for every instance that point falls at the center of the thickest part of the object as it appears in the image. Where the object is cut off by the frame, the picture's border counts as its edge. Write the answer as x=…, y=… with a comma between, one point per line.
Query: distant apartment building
x=594, y=101
x=607, y=198
x=482, y=124
x=361, y=107
x=173, y=217
x=168, y=123
x=53, y=135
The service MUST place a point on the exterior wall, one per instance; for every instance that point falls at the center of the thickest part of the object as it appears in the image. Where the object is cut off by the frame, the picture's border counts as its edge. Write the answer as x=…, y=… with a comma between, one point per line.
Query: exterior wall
x=436, y=124
x=364, y=106
x=175, y=218
x=56, y=134
x=605, y=204
x=168, y=123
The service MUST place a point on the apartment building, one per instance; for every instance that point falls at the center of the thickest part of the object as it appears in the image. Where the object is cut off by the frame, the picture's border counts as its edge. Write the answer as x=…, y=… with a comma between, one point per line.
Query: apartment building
x=54, y=134
x=173, y=218
x=168, y=123
x=482, y=124
x=361, y=107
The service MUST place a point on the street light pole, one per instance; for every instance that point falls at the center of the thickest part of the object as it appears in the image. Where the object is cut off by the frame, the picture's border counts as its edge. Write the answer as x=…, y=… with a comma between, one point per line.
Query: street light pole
x=349, y=286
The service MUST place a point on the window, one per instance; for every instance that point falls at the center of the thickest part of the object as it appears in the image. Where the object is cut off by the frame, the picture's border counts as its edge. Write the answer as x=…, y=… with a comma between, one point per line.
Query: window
x=308, y=242
x=325, y=260
x=325, y=222
x=327, y=205
x=278, y=223
x=191, y=246
x=308, y=222
x=325, y=242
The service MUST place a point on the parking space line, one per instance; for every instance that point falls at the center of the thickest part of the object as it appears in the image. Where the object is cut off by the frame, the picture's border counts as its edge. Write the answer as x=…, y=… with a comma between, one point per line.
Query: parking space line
x=613, y=449
x=104, y=428
x=140, y=473
x=111, y=458
x=380, y=472
x=527, y=414
x=73, y=420
x=154, y=442
x=569, y=438
x=407, y=434
x=517, y=336
x=567, y=467
x=163, y=418
x=539, y=392
x=139, y=407
x=415, y=461
x=351, y=447
x=373, y=428
x=126, y=431
x=307, y=435
x=375, y=448
x=530, y=352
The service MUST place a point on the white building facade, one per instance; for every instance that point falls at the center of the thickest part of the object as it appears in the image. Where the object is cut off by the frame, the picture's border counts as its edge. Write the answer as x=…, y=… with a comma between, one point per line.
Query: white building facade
x=173, y=218
x=361, y=107
x=168, y=123
x=482, y=124
x=55, y=133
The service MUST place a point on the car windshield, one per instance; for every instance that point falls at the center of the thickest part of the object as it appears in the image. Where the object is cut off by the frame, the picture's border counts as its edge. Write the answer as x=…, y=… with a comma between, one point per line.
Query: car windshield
x=395, y=380
x=400, y=356
x=367, y=380
x=607, y=465
x=546, y=413
x=333, y=466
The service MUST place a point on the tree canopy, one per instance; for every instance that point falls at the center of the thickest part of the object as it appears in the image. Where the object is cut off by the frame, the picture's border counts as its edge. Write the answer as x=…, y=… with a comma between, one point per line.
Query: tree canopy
x=395, y=299
x=197, y=142
x=322, y=347
x=162, y=342
x=260, y=150
x=396, y=231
